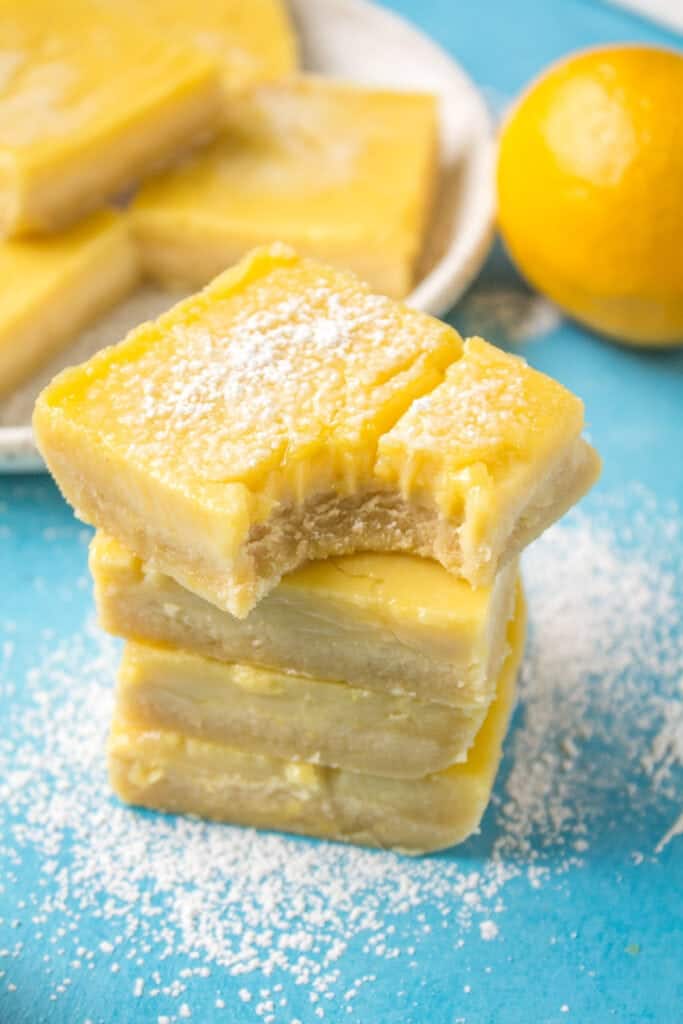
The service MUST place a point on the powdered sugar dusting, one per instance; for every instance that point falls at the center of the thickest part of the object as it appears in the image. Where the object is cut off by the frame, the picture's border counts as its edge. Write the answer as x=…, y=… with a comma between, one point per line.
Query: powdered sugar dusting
x=186, y=907
x=296, y=357
x=489, y=404
x=38, y=101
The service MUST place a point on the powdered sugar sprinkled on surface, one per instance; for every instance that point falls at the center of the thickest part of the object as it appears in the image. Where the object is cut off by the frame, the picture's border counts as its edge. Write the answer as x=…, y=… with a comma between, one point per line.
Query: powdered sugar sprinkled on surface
x=188, y=905
x=294, y=356
x=489, y=403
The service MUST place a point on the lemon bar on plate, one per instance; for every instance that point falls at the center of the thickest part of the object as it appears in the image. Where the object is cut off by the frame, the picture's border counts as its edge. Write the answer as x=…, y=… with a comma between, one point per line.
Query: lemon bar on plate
x=237, y=437
x=89, y=101
x=170, y=771
x=250, y=40
x=344, y=173
x=54, y=286
x=393, y=624
x=294, y=717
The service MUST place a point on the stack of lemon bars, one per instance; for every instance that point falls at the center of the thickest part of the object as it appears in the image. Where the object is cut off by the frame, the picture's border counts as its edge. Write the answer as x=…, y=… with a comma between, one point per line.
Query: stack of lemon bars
x=310, y=500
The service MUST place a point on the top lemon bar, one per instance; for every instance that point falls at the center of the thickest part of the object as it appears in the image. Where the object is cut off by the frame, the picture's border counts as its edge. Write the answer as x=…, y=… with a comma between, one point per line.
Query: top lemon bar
x=238, y=436
x=89, y=101
x=344, y=173
x=251, y=41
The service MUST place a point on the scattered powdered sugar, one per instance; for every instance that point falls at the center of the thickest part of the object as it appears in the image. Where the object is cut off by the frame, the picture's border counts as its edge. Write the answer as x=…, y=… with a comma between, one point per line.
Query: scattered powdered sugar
x=488, y=930
x=594, y=760
x=489, y=402
x=245, y=378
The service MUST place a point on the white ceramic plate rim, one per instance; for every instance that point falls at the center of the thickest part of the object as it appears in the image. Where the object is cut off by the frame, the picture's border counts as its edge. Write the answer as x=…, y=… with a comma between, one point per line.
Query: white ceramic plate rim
x=379, y=37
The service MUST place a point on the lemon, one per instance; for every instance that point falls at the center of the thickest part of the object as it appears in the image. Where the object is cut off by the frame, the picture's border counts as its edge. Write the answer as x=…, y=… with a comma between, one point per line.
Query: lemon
x=590, y=190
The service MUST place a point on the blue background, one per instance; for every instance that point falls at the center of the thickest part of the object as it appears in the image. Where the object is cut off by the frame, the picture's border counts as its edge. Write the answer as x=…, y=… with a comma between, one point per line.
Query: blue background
x=634, y=403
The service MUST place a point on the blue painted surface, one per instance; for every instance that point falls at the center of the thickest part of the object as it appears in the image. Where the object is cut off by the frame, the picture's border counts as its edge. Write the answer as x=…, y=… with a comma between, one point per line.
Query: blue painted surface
x=604, y=940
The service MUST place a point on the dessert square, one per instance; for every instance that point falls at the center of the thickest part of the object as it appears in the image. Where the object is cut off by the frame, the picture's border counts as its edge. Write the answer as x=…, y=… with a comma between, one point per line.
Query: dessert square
x=250, y=41
x=170, y=771
x=236, y=438
x=55, y=286
x=392, y=624
x=294, y=717
x=343, y=173
x=89, y=101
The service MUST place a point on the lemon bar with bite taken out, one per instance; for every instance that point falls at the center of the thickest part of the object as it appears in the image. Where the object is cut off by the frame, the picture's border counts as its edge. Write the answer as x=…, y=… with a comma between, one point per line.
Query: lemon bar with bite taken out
x=237, y=437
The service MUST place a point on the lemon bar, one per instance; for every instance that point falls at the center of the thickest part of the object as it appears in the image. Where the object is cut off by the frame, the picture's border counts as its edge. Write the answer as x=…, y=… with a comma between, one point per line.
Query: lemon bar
x=236, y=437
x=251, y=41
x=345, y=174
x=393, y=624
x=170, y=771
x=89, y=101
x=294, y=717
x=52, y=287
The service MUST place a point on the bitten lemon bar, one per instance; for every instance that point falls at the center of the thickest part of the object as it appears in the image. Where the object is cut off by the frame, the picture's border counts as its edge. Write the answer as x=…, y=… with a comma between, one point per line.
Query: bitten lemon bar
x=393, y=624
x=250, y=40
x=236, y=437
x=345, y=174
x=289, y=716
x=52, y=287
x=89, y=101
x=170, y=771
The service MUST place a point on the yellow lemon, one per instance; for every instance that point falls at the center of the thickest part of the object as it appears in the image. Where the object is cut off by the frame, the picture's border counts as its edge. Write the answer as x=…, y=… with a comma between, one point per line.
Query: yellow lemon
x=590, y=190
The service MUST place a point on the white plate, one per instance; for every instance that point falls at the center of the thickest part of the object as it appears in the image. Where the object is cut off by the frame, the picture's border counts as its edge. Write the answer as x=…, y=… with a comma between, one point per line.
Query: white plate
x=362, y=42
